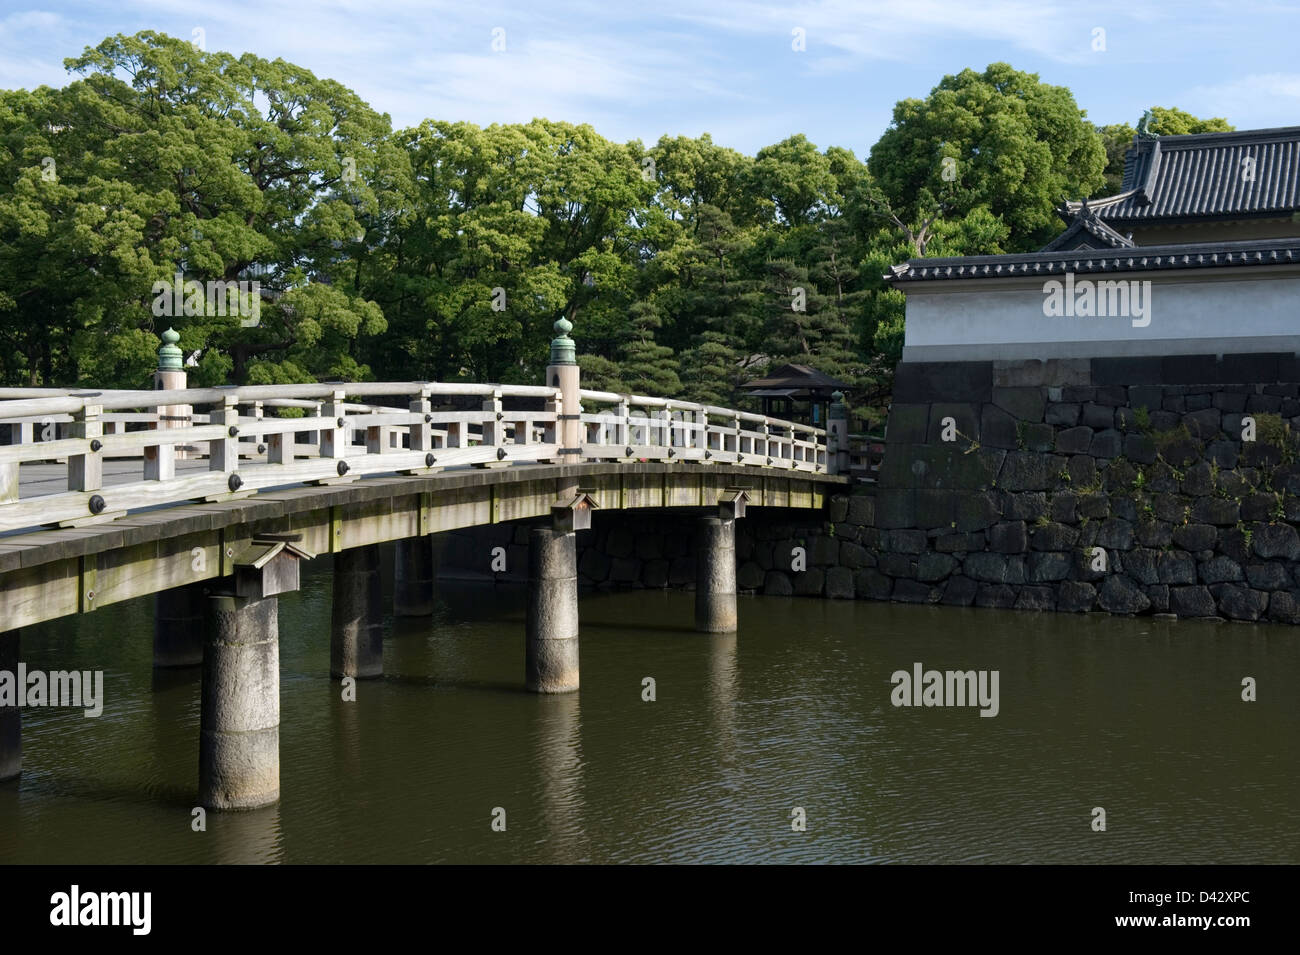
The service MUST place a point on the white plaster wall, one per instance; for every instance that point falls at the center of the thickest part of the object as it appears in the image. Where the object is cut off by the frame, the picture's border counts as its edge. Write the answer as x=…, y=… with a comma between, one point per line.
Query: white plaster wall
x=985, y=319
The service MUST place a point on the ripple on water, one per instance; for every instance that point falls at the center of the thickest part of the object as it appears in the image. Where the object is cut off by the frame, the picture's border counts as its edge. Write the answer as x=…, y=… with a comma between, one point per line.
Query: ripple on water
x=792, y=713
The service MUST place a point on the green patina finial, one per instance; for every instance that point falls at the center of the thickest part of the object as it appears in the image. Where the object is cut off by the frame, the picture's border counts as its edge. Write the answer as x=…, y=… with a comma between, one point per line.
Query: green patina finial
x=563, y=349
x=169, y=356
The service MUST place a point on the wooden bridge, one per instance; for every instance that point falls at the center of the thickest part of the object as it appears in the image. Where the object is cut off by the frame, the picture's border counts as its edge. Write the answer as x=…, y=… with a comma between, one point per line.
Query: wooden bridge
x=210, y=497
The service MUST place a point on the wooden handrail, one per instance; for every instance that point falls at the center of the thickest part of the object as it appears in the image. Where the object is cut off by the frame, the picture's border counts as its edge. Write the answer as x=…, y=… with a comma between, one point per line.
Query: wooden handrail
x=344, y=436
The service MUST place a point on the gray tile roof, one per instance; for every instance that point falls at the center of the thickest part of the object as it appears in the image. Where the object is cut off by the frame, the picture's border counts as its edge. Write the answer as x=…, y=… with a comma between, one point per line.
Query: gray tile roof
x=792, y=376
x=1088, y=231
x=1202, y=176
x=1197, y=255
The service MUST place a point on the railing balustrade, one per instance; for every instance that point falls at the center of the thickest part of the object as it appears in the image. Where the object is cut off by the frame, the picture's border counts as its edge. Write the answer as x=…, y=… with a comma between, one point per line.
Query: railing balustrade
x=235, y=441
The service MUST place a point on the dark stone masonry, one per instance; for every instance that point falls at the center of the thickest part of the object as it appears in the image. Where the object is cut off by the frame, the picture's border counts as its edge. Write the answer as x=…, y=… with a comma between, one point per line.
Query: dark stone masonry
x=1129, y=487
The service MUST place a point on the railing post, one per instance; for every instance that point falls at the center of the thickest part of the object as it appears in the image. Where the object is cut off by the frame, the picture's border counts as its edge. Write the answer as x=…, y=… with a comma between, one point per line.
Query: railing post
x=258, y=414
x=837, y=436
x=159, y=459
x=333, y=439
x=223, y=453
x=313, y=437
x=171, y=376
x=8, y=482
x=421, y=433
x=86, y=470
x=494, y=428
x=562, y=373
x=279, y=447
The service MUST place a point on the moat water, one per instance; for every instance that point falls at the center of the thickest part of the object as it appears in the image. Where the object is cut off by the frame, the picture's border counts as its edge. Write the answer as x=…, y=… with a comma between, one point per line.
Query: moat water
x=1143, y=718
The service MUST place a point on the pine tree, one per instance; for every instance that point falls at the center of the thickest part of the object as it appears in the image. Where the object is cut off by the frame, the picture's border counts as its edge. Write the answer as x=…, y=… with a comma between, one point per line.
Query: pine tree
x=648, y=367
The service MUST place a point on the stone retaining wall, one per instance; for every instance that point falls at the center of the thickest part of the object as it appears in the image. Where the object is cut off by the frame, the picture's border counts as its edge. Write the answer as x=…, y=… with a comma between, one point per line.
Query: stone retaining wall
x=997, y=488
x=1001, y=480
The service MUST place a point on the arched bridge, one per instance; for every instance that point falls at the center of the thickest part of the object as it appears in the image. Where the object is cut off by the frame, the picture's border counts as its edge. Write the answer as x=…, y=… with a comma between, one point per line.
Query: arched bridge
x=209, y=498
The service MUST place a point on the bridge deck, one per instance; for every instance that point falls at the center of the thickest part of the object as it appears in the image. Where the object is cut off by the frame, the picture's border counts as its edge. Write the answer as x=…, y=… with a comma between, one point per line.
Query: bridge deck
x=50, y=573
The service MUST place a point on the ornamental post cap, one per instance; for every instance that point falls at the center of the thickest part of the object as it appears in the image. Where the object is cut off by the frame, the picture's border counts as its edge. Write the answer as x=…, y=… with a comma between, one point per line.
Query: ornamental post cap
x=563, y=350
x=169, y=355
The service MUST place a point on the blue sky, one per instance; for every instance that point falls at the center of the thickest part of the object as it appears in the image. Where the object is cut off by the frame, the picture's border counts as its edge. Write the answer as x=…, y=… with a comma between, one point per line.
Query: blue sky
x=727, y=67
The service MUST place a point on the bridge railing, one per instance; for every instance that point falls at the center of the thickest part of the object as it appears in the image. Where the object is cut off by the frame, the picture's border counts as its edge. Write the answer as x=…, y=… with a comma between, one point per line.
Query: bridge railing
x=632, y=427
x=210, y=444
x=243, y=443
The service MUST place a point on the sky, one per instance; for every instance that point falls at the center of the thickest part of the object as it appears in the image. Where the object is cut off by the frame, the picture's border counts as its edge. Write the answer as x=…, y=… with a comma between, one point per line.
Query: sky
x=750, y=74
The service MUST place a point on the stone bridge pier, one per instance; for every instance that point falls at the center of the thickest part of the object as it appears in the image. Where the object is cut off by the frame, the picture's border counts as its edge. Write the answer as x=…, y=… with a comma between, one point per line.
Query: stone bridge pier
x=239, y=724
x=357, y=614
x=715, y=565
x=715, y=575
x=551, y=640
x=180, y=616
x=414, y=570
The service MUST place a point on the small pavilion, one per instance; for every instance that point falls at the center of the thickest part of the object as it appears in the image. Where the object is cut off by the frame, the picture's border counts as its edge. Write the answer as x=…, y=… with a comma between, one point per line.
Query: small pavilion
x=795, y=393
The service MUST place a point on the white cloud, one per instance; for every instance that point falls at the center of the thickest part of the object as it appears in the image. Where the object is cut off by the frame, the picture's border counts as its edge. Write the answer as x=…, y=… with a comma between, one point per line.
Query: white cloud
x=890, y=30
x=1258, y=100
x=639, y=70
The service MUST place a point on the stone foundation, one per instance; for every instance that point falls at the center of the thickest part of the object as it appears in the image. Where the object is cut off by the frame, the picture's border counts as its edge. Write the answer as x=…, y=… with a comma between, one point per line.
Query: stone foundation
x=1005, y=504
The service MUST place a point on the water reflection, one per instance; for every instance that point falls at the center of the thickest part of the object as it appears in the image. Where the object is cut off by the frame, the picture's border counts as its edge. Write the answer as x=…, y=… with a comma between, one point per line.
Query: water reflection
x=246, y=838
x=558, y=759
x=1141, y=716
x=723, y=692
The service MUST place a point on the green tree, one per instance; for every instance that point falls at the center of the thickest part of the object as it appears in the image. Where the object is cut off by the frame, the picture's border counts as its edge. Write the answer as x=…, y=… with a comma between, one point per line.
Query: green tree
x=513, y=226
x=1116, y=140
x=1161, y=121
x=793, y=180
x=708, y=305
x=1171, y=121
x=1000, y=139
x=648, y=367
x=258, y=169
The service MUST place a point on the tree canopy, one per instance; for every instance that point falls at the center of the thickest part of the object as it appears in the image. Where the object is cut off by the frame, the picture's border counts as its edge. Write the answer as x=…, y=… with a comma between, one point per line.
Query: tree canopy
x=449, y=250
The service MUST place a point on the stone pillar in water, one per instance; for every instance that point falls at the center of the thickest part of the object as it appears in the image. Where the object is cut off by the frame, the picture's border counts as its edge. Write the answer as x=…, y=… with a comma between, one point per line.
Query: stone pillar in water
x=357, y=621
x=413, y=573
x=551, y=647
x=179, y=617
x=715, y=575
x=11, y=718
x=239, y=725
